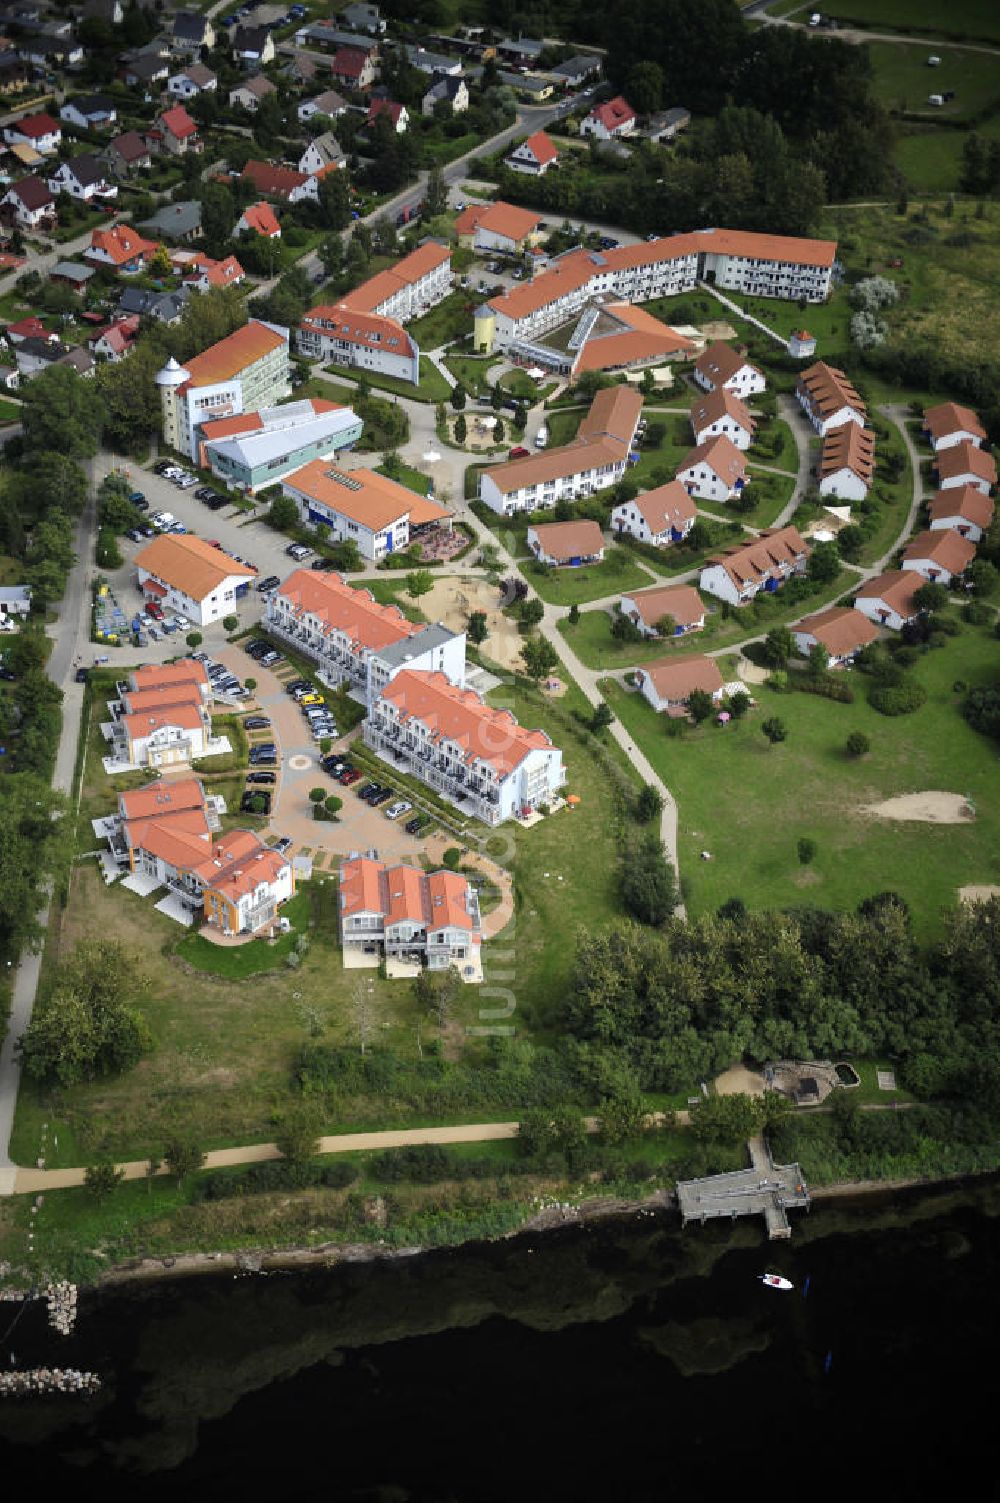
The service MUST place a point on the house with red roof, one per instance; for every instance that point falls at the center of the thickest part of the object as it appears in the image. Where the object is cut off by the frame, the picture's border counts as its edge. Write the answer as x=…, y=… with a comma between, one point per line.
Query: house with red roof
x=396, y=114
x=409, y=914
x=668, y=683
x=121, y=248
x=658, y=517
x=39, y=131
x=939, y=556
x=281, y=183
x=28, y=328
x=115, y=340
x=203, y=273
x=176, y=132
x=258, y=219
x=353, y=67
x=964, y=509
x=606, y=122
x=716, y=470
x=534, y=156
x=477, y=757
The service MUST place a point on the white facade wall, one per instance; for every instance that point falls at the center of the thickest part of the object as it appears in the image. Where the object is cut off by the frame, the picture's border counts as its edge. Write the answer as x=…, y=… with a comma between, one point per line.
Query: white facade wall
x=372, y=545
x=627, y=518
x=949, y=440
x=702, y=481
x=957, y=481
x=805, y=642
x=725, y=427
x=414, y=298
x=167, y=745
x=843, y=484
x=278, y=891
x=879, y=611
x=836, y=419
x=928, y=569
x=962, y=525
x=764, y=278
x=220, y=603
x=317, y=345
x=545, y=494
x=744, y=383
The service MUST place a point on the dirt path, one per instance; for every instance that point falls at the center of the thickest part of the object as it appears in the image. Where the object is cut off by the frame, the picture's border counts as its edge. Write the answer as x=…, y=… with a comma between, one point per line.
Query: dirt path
x=930, y=808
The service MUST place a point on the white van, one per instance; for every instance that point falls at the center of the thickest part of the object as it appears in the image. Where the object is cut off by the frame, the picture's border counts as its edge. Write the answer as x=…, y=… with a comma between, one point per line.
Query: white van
x=542, y=437
x=936, y=99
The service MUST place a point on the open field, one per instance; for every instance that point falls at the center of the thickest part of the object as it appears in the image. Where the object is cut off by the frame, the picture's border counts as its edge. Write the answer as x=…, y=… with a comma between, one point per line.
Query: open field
x=903, y=81
x=449, y=320
x=589, y=582
x=970, y=19
x=747, y=803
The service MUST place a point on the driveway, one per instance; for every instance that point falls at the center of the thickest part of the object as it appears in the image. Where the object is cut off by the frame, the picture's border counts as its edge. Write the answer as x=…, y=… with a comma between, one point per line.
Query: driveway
x=358, y=828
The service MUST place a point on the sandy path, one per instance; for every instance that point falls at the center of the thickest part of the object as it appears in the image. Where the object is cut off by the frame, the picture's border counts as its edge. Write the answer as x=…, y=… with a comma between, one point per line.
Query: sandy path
x=928, y=808
x=979, y=892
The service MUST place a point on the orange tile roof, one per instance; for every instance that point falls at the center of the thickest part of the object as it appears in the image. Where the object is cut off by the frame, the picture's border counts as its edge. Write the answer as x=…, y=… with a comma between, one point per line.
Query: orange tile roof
x=121, y=243
x=964, y=501
x=896, y=587
x=161, y=798
x=241, y=863
x=449, y=901
x=146, y=701
x=762, y=557
x=563, y=541
x=644, y=338
x=677, y=678
x=541, y=148
x=840, y=629
x=666, y=506
x=188, y=564
x=187, y=716
x=602, y=439
x=373, y=330
x=217, y=428
x=360, y=886
x=749, y=244
x=828, y=389
x=850, y=447
x=966, y=459
x=238, y=351
x=613, y=114
x=404, y=895
x=187, y=823
x=226, y=273
x=721, y=456
x=721, y=403
x=460, y=716
x=401, y=894
x=162, y=675
x=949, y=417
x=508, y=220
x=356, y=613
x=370, y=296
x=183, y=849
x=682, y=602
x=262, y=218
x=719, y=362
x=614, y=413
x=275, y=182
x=944, y=547
x=372, y=500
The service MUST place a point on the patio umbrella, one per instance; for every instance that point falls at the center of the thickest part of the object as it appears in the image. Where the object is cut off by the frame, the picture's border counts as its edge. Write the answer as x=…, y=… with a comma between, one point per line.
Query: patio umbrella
x=724, y=716
x=431, y=457
x=572, y=798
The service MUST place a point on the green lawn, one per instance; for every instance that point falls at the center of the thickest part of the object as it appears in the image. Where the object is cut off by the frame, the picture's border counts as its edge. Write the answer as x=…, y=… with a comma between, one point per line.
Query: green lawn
x=238, y=964
x=591, y=582
x=471, y=370
x=406, y=475
x=449, y=320
x=593, y=643
x=432, y=387
x=10, y=412
x=773, y=494
x=391, y=592
x=903, y=81
x=972, y=19
x=748, y=803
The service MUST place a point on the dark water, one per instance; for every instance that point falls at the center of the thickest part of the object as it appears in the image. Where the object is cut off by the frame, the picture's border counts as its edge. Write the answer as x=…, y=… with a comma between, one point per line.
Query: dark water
x=625, y=1360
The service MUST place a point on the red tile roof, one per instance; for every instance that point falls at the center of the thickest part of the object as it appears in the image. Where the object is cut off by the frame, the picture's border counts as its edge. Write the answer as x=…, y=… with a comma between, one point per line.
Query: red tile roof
x=721, y=456
x=949, y=417
x=721, y=403
x=896, y=588
x=541, y=148
x=36, y=126
x=666, y=506
x=384, y=107
x=461, y=717
x=849, y=447
x=840, y=629
x=243, y=348
x=365, y=623
x=966, y=459
x=720, y=362
x=564, y=541
x=682, y=602
x=120, y=244
x=828, y=389
x=262, y=218
x=966, y=502
x=943, y=547
x=500, y=218
x=762, y=558
x=179, y=123
x=614, y=114
x=274, y=182
x=677, y=678
x=372, y=330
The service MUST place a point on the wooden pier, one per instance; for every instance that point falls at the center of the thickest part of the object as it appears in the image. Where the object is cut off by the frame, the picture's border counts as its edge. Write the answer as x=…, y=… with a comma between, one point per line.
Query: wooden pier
x=764, y=1189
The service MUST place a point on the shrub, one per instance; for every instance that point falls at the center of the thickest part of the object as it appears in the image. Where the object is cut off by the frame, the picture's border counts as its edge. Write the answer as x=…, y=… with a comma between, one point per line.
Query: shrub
x=826, y=688
x=807, y=849
x=896, y=699
x=857, y=744
x=452, y=857
x=976, y=613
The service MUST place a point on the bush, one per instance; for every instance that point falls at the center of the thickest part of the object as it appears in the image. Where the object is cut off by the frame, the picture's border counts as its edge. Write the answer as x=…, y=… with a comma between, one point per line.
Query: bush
x=857, y=744
x=896, y=699
x=826, y=688
x=976, y=613
x=452, y=857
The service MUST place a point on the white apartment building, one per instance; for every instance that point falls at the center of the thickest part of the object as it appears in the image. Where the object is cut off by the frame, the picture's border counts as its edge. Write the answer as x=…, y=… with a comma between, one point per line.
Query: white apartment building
x=185, y=574
x=714, y=471
x=408, y=288
x=244, y=372
x=740, y=573
x=379, y=514
x=339, y=334
x=722, y=414
x=403, y=912
x=349, y=636
x=478, y=758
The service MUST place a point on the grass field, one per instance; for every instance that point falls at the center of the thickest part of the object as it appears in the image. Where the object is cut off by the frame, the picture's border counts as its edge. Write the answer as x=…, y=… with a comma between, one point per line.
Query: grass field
x=903, y=81
x=449, y=320
x=748, y=803
x=10, y=412
x=432, y=388
x=590, y=582
x=973, y=19
x=471, y=370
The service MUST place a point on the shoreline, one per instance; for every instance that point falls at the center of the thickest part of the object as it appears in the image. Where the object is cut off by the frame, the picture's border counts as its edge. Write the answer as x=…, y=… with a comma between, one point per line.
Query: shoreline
x=246, y=1262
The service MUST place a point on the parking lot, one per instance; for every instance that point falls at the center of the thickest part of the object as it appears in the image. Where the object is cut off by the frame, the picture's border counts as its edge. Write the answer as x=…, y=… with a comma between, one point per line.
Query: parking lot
x=358, y=827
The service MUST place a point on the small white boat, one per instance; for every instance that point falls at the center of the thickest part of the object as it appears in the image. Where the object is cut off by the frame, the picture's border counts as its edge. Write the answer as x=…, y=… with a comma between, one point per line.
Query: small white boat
x=775, y=1281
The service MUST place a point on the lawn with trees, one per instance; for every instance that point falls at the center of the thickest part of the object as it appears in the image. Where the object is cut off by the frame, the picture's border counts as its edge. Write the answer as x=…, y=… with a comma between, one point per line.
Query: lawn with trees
x=731, y=782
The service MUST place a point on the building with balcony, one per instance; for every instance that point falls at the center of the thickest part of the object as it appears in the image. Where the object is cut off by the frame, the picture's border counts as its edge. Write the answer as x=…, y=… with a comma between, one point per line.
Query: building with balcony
x=374, y=511
x=408, y=914
x=478, y=758
x=741, y=573
x=244, y=372
x=351, y=637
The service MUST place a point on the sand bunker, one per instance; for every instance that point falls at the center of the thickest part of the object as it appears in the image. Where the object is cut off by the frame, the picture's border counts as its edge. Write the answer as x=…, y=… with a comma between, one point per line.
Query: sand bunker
x=979, y=892
x=927, y=808
x=739, y=1081
x=453, y=600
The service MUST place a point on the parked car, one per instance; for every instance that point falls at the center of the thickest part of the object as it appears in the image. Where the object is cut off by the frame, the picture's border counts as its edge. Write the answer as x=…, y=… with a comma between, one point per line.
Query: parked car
x=312, y=698
x=270, y=583
x=154, y=610
x=257, y=723
x=412, y=826
x=81, y=674
x=351, y=776
x=402, y=806
x=270, y=658
x=134, y=535
x=381, y=797
x=262, y=777
x=282, y=845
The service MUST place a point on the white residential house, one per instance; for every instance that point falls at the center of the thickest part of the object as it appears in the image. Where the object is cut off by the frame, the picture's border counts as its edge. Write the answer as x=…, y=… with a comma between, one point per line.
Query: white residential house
x=722, y=414
x=828, y=398
x=888, y=599
x=476, y=757
x=964, y=509
x=15, y=603
x=840, y=629
x=89, y=112
x=965, y=464
x=762, y=565
x=329, y=103
x=249, y=94
x=668, y=683
x=253, y=46
x=322, y=152
x=83, y=178
x=448, y=90
x=722, y=365
x=847, y=462
x=939, y=556
x=609, y=121
x=658, y=517
x=567, y=545
x=403, y=912
x=714, y=471
x=950, y=424
x=534, y=156
x=192, y=80
x=649, y=609
x=379, y=514
x=186, y=575
x=30, y=203
x=352, y=638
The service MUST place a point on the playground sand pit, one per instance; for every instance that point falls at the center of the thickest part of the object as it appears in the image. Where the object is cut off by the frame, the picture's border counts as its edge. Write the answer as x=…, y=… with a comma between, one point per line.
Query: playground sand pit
x=926, y=808
x=453, y=600
x=739, y=1081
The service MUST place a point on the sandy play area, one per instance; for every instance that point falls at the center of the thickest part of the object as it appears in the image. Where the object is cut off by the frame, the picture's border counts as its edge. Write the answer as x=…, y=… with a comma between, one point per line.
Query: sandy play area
x=739, y=1081
x=929, y=808
x=453, y=600
x=979, y=892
